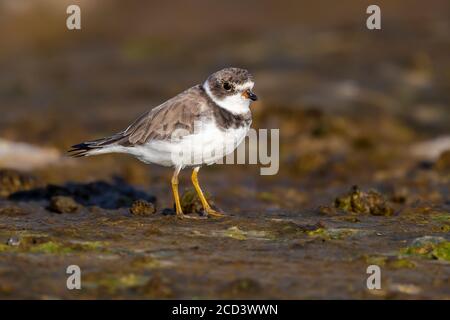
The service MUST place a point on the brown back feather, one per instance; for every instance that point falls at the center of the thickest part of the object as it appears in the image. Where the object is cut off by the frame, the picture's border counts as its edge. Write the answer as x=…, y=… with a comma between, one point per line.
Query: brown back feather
x=163, y=122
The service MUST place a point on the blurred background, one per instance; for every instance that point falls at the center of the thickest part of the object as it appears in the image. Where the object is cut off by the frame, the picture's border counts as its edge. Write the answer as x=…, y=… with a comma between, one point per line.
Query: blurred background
x=333, y=88
x=340, y=94
x=353, y=106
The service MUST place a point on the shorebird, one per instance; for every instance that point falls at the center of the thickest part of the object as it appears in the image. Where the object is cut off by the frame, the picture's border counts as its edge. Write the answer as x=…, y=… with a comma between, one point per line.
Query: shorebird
x=196, y=127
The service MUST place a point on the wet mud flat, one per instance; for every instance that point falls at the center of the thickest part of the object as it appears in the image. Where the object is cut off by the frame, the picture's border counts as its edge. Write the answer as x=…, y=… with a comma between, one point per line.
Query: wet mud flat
x=353, y=107
x=126, y=247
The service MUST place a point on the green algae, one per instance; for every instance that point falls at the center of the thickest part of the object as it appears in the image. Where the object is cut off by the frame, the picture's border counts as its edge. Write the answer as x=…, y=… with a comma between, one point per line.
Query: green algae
x=68, y=247
x=131, y=280
x=5, y=248
x=51, y=248
x=445, y=228
x=375, y=259
x=93, y=245
x=236, y=233
x=116, y=282
x=444, y=222
x=46, y=245
x=442, y=251
x=442, y=218
x=289, y=229
x=357, y=201
x=436, y=250
x=333, y=234
x=146, y=263
x=402, y=263
x=279, y=230
x=390, y=262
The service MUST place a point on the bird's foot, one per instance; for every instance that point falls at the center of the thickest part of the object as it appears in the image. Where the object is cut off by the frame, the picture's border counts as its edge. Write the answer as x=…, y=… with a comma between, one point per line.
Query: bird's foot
x=213, y=213
x=183, y=216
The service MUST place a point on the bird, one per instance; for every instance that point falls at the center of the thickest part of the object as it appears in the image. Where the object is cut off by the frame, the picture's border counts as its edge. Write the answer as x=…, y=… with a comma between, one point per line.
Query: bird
x=197, y=127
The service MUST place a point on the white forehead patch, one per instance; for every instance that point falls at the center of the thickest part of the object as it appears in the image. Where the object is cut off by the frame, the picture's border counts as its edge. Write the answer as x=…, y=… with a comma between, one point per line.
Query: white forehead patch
x=245, y=86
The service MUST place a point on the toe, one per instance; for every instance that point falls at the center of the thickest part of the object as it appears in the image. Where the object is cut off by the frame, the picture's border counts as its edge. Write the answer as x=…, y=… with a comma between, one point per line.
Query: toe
x=214, y=213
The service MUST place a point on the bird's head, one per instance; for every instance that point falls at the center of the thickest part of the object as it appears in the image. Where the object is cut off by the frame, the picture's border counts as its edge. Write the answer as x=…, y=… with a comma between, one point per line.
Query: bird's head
x=231, y=89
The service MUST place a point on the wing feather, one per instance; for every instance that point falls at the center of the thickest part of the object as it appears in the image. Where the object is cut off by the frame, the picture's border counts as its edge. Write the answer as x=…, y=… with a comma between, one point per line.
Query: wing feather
x=173, y=119
x=164, y=121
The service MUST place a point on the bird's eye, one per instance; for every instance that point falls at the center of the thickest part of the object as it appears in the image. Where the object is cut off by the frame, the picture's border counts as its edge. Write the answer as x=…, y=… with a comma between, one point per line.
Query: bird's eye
x=227, y=86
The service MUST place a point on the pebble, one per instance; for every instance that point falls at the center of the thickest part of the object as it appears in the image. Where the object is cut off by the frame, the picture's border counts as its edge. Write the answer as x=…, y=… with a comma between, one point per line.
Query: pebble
x=63, y=204
x=13, y=241
x=142, y=208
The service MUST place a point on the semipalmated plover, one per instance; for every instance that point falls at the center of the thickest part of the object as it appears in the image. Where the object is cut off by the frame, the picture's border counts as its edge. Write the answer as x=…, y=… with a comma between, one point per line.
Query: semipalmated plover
x=198, y=126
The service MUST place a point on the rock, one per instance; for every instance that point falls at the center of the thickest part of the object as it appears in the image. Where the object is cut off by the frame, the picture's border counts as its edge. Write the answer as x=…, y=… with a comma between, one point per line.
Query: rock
x=63, y=204
x=142, y=208
x=429, y=247
x=370, y=202
x=427, y=240
x=12, y=181
x=168, y=212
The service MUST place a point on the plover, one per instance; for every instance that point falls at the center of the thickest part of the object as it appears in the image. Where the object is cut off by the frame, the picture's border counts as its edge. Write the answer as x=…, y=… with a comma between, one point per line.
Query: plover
x=197, y=127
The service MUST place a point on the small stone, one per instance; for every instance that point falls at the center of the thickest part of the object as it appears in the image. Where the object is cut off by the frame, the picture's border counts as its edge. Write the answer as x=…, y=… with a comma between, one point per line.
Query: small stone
x=142, y=208
x=357, y=201
x=63, y=204
x=427, y=240
x=168, y=212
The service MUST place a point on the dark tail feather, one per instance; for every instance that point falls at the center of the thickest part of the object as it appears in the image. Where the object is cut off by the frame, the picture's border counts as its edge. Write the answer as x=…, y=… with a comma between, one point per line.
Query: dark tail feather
x=83, y=149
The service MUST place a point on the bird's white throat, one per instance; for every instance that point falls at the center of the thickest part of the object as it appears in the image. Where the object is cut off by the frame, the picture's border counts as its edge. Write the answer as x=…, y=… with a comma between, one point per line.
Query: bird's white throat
x=236, y=104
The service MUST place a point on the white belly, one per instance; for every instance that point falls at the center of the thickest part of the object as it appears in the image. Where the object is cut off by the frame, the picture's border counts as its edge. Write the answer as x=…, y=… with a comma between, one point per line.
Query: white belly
x=206, y=146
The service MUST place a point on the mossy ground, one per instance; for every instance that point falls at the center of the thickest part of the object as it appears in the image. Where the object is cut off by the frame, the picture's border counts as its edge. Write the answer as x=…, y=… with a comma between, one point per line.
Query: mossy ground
x=353, y=107
x=248, y=254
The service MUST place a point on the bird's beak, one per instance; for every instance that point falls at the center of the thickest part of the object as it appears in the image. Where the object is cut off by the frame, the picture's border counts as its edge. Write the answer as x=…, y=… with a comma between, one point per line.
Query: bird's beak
x=248, y=94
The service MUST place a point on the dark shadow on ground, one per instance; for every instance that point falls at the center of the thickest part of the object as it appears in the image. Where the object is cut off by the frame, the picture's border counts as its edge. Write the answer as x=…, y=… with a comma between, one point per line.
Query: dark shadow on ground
x=117, y=194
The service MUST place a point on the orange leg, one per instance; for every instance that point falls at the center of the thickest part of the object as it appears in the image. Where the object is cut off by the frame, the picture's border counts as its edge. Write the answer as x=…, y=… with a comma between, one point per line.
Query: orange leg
x=176, y=195
x=209, y=211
